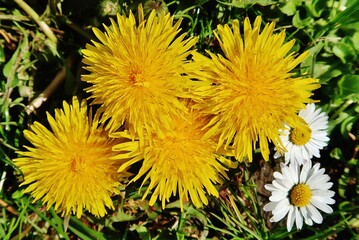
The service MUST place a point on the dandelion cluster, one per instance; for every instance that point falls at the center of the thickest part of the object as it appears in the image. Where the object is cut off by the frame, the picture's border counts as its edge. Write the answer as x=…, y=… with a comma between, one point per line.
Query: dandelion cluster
x=184, y=117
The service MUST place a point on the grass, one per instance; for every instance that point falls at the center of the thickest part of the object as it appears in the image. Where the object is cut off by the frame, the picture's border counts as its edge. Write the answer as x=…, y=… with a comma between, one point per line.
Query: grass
x=40, y=65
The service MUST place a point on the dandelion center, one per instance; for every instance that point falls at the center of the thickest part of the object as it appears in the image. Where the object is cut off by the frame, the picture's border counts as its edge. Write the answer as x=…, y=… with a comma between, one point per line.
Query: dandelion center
x=137, y=79
x=300, y=195
x=300, y=135
x=78, y=164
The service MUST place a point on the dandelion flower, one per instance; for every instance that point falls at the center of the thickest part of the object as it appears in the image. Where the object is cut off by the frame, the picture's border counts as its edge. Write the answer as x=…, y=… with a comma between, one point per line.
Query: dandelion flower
x=179, y=162
x=307, y=137
x=138, y=71
x=299, y=194
x=254, y=90
x=70, y=167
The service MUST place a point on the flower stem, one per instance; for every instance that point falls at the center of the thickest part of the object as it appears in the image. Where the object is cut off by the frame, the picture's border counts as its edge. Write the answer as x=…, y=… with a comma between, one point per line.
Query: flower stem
x=47, y=30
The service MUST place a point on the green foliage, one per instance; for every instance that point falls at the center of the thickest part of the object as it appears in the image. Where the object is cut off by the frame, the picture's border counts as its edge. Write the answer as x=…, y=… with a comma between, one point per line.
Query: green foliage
x=30, y=58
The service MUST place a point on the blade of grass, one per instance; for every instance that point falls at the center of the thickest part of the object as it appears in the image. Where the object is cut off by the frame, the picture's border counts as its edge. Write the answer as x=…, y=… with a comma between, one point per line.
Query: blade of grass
x=58, y=228
x=80, y=227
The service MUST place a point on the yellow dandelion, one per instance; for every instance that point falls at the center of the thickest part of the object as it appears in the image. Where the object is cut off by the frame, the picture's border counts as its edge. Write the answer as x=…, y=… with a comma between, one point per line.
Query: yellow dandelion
x=179, y=162
x=138, y=71
x=70, y=167
x=254, y=90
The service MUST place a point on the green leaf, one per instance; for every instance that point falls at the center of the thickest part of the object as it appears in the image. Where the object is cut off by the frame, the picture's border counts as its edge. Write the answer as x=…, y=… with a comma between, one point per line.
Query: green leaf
x=121, y=216
x=326, y=71
x=18, y=194
x=143, y=232
x=348, y=16
x=343, y=51
x=2, y=54
x=347, y=126
x=336, y=153
x=247, y=3
x=349, y=84
x=288, y=8
x=355, y=40
x=8, y=70
x=316, y=7
x=180, y=236
x=301, y=23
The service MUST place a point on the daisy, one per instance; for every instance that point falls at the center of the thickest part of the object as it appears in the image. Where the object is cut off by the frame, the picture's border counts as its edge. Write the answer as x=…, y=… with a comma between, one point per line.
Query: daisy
x=254, y=90
x=138, y=71
x=299, y=194
x=306, y=137
x=178, y=163
x=70, y=167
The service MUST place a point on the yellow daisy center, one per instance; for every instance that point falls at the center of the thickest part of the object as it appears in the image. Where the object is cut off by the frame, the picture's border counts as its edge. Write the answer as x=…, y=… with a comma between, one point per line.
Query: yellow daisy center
x=300, y=135
x=300, y=195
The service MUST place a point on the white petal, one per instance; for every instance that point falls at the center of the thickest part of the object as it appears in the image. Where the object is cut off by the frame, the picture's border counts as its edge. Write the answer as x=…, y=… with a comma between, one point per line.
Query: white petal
x=306, y=155
x=298, y=219
x=315, y=177
x=294, y=172
x=278, y=196
x=316, y=167
x=327, y=185
x=270, y=187
x=288, y=183
x=277, y=155
x=282, y=204
x=290, y=219
x=313, y=151
x=279, y=215
x=319, y=182
x=278, y=175
x=270, y=206
x=323, y=193
x=278, y=184
x=321, y=206
x=306, y=217
x=299, y=156
x=320, y=140
x=309, y=221
x=305, y=170
x=323, y=199
x=320, y=123
x=289, y=178
x=314, y=214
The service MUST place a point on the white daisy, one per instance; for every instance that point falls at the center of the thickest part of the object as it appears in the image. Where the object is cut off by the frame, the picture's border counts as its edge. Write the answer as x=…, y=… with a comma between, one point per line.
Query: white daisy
x=299, y=194
x=306, y=138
